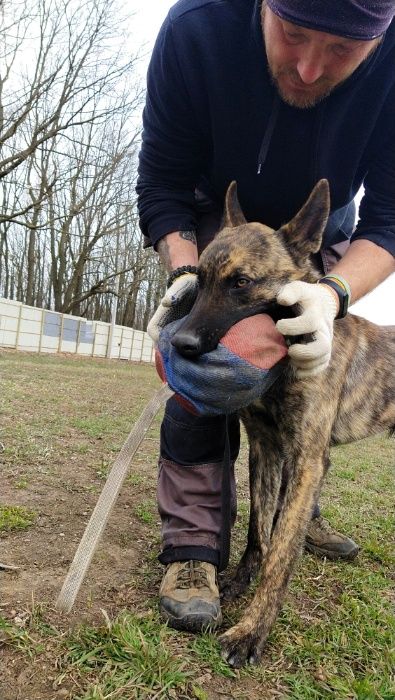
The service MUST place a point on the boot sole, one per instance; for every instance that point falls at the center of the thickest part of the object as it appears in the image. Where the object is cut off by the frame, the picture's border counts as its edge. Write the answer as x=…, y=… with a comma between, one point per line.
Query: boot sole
x=191, y=623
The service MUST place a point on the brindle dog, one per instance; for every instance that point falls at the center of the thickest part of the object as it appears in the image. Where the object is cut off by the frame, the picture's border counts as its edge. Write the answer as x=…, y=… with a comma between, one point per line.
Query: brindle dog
x=297, y=420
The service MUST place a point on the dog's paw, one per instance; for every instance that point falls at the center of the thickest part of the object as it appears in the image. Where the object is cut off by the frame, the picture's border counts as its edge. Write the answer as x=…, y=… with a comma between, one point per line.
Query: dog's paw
x=234, y=588
x=246, y=572
x=239, y=649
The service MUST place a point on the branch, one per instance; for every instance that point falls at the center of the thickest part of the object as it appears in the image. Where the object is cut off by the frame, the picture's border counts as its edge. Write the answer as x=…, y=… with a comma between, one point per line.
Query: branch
x=95, y=289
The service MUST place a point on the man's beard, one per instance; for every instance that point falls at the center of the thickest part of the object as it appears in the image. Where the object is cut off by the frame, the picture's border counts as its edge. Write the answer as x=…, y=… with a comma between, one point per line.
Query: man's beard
x=306, y=98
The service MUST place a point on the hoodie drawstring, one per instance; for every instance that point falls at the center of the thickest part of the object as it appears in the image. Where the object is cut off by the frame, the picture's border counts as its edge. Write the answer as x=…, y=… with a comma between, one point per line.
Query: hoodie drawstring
x=267, y=137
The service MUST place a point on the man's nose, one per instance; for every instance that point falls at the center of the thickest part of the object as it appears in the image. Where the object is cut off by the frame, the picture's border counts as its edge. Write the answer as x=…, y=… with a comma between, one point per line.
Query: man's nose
x=310, y=67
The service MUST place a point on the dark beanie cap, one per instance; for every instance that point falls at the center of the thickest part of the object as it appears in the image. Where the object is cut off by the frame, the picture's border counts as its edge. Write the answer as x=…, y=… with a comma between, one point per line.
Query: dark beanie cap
x=354, y=19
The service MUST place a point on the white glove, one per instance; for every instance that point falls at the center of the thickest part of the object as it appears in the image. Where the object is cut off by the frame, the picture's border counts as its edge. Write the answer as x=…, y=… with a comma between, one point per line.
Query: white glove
x=319, y=309
x=176, y=303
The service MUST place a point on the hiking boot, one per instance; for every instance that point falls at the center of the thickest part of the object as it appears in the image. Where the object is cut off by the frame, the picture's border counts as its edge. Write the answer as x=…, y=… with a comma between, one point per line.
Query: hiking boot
x=324, y=541
x=189, y=596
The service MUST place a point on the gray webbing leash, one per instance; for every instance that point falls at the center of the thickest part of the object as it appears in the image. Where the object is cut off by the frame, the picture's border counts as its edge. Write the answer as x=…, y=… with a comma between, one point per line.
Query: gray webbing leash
x=107, y=499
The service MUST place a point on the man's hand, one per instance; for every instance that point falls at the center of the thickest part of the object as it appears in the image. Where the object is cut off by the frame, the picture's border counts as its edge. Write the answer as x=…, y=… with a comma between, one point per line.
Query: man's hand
x=176, y=303
x=319, y=309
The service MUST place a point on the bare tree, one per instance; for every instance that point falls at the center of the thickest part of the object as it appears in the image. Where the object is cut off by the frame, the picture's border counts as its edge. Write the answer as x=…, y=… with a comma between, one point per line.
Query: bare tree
x=69, y=130
x=75, y=62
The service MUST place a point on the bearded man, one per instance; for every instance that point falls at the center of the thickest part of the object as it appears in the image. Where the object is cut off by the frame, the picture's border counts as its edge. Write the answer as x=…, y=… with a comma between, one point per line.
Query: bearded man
x=274, y=96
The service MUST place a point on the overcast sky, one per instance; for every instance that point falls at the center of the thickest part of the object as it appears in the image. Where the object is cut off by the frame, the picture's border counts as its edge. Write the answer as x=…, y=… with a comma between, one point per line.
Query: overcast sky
x=379, y=306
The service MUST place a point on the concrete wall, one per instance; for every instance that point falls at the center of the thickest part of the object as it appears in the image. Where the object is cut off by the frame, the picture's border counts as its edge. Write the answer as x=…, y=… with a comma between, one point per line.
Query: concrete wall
x=39, y=330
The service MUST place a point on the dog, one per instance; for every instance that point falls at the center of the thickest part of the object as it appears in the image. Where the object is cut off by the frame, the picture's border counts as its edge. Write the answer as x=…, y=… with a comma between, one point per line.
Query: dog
x=294, y=424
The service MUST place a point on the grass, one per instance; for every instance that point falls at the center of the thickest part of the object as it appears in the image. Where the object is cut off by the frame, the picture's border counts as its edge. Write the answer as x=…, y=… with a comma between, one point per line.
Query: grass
x=334, y=639
x=207, y=650
x=130, y=657
x=144, y=512
x=345, y=649
x=15, y=518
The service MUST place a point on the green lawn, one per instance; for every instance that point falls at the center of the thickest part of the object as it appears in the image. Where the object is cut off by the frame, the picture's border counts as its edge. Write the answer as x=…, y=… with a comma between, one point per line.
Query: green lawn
x=63, y=421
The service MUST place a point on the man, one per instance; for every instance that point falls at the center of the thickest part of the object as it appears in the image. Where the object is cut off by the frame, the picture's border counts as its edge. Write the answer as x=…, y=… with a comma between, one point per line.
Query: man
x=275, y=97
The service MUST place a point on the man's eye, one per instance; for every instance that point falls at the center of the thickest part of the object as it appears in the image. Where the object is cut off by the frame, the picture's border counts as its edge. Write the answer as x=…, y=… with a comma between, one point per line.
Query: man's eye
x=241, y=282
x=294, y=38
x=342, y=51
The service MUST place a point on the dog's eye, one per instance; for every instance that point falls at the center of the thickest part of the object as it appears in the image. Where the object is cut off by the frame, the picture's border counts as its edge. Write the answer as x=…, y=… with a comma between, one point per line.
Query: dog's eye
x=241, y=282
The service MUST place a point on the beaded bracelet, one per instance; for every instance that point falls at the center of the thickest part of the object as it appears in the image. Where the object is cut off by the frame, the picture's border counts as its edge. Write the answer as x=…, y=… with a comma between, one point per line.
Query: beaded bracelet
x=179, y=271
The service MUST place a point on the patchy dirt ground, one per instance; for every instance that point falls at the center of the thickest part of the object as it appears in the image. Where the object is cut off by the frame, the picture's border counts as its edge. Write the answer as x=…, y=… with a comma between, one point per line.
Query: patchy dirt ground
x=58, y=469
x=63, y=420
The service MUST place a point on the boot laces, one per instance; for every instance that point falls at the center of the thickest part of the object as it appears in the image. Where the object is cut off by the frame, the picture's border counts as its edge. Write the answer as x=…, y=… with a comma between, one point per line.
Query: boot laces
x=192, y=575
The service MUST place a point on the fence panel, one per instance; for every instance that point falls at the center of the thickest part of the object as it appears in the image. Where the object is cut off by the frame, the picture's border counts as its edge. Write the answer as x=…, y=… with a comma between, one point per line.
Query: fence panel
x=39, y=330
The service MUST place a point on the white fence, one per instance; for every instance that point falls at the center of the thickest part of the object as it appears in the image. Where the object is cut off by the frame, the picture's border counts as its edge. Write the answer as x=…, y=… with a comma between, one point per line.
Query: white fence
x=39, y=330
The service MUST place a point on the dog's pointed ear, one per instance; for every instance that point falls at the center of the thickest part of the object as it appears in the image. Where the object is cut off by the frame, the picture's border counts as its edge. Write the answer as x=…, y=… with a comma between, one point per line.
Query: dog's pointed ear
x=233, y=216
x=303, y=234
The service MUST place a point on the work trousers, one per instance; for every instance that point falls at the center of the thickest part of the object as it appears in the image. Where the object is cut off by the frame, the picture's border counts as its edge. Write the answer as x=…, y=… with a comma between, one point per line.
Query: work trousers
x=191, y=459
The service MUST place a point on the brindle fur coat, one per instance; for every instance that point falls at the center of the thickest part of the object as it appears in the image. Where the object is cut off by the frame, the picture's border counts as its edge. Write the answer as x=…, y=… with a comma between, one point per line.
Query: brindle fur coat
x=297, y=420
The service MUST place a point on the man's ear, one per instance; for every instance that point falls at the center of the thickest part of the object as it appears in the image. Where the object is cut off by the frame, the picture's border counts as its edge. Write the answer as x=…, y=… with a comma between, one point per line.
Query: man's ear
x=303, y=234
x=232, y=216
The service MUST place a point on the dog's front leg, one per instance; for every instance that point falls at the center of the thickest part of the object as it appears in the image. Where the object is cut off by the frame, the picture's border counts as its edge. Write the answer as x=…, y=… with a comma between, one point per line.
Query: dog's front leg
x=265, y=466
x=244, y=642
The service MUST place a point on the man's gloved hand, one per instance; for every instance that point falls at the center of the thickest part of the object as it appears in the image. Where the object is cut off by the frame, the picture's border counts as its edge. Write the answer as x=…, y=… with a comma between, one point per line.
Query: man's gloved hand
x=319, y=309
x=176, y=303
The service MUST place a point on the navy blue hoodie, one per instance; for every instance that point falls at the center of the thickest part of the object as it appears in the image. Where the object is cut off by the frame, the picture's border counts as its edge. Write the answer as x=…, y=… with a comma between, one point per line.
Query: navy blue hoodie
x=212, y=115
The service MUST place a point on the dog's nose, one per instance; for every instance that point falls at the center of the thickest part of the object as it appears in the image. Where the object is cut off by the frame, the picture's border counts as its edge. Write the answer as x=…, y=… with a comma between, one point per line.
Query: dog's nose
x=187, y=344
